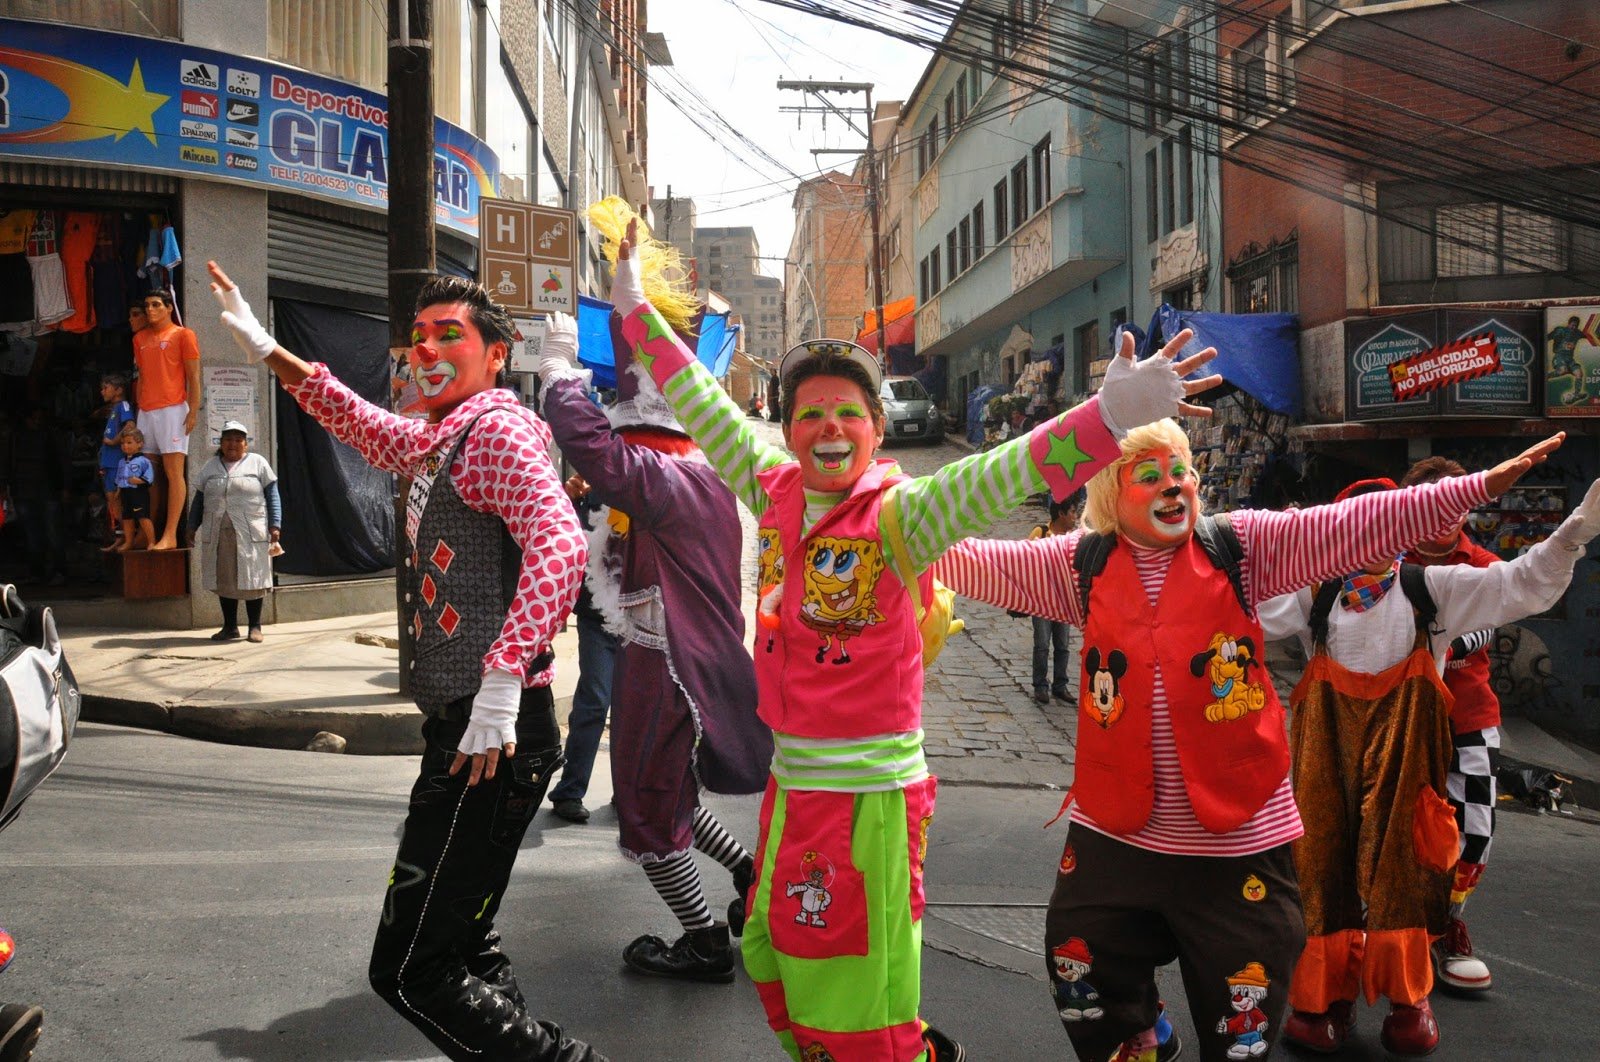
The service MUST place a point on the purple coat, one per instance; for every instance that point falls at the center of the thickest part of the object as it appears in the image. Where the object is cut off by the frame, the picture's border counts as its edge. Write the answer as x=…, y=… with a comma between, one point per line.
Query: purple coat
x=684, y=537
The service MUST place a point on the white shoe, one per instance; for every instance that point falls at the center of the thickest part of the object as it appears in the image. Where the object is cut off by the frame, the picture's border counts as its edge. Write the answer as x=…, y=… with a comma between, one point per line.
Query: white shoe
x=1454, y=964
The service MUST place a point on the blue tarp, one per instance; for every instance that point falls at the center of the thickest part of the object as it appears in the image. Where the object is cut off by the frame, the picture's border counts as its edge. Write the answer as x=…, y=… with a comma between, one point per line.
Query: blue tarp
x=714, y=350
x=975, y=402
x=1259, y=353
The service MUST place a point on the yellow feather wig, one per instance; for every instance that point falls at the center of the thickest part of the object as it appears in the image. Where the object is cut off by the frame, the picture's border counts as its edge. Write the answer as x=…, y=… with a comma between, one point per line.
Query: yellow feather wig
x=661, y=268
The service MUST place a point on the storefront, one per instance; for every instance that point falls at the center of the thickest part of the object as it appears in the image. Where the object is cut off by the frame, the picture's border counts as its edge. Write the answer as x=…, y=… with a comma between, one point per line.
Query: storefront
x=143, y=158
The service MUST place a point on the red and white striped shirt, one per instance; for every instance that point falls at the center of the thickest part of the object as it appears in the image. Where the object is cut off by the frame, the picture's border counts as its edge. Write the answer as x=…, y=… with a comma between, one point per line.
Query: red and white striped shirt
x=505, y=469
x=1283, y=551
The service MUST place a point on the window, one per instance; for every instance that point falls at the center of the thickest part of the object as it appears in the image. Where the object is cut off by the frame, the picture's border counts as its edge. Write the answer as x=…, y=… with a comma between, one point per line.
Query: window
x=456, y=33
x=951, y=257
x=1266, y=281
x=1086, y=349
x=1019, y=192
x=1000, y=226
x=1250, y=76
x=894, y=241
x=1185, y=177
x=511, y=133
x=1168, y=199
x=977, y=232
x=973, y=92
x=964, y=243
x=1487, y=239
x=344, y=39
x=922, y=281
x=933, y=270
x=1041, y=174
x=1152, y=223
x=961, y=97
x=933, y=140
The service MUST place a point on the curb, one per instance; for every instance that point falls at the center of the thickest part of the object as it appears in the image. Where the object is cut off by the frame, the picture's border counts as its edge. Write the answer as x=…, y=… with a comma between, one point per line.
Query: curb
x=372, y=732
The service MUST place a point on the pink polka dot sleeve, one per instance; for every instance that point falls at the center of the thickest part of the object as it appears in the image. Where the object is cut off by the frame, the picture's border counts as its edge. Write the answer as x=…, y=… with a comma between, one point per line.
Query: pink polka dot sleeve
x=505, y=469
x=382, y=437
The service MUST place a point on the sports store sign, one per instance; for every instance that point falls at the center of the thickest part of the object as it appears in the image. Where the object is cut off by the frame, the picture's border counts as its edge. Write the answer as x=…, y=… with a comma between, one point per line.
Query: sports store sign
x=87, y=96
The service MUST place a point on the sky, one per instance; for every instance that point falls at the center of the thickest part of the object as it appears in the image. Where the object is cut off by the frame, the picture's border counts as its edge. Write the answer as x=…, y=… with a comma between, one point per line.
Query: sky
x=733, y=52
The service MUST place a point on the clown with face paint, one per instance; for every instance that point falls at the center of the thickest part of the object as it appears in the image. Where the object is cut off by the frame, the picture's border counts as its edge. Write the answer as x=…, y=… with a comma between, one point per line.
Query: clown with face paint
x=839, y=657
x=1186, y=794
x=495, y=554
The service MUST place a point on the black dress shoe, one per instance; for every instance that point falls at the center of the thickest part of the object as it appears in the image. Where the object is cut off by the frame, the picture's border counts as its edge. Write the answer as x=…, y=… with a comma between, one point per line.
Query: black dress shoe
x=698, y=955
x=571, y=810
x=742, y=876
x=20, y=1026
x=941, y=1048
x=1041, y=697
x=226, y=634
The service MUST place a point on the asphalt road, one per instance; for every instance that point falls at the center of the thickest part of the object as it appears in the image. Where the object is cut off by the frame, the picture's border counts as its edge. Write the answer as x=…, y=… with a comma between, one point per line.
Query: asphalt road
x=178, y=900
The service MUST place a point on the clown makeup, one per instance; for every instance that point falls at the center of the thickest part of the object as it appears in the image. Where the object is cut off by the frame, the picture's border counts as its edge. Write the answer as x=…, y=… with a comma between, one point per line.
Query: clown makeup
x=832, y=433
x=448, y=359
x=1156, y=504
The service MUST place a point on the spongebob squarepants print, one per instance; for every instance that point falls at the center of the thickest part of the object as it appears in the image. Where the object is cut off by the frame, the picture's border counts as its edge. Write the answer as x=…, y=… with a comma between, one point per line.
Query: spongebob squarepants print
x=839, y=577
x=816, y=874
x=769, y=559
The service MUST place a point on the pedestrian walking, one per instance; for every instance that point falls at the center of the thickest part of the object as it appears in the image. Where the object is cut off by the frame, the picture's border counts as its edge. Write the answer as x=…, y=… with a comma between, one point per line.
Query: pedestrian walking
x=1182, y=810
x=833, y=940
x=494, y=553
x=235, y=519
x=1051, y=638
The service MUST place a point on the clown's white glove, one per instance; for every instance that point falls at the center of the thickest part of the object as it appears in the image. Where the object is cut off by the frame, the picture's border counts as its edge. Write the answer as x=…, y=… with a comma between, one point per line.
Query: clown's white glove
x=493, y=723
x=1580, y=528
x=241, y=321
x=1139, y=392
x=558, y=354
x=627, y=286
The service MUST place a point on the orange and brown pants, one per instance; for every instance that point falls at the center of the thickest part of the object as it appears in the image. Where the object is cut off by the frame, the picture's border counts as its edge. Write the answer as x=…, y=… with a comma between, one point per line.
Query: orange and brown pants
x=1370, y=755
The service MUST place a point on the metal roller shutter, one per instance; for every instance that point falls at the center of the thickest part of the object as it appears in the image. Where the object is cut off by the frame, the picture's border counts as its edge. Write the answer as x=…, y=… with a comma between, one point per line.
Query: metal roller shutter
x=326, y=254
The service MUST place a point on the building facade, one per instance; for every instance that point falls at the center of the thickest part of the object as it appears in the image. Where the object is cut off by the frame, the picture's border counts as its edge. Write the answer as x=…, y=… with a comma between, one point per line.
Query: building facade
x=254, y=132
x=825, y=271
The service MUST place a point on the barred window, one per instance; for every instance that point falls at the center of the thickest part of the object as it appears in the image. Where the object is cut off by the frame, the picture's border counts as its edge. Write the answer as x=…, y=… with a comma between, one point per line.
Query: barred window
x=1266, y=281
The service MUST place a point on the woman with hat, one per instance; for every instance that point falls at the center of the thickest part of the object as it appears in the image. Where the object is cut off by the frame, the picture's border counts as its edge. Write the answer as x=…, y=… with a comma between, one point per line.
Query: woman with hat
x=235, y=517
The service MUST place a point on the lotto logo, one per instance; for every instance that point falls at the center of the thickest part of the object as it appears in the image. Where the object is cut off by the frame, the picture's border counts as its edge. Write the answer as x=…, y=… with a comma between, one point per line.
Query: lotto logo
x=242, y=162
x=203, y=156
x=197, y=73
x=204, y=131
x=244, y=112
x=244, y=83
x=199, y=104
x=243, y=138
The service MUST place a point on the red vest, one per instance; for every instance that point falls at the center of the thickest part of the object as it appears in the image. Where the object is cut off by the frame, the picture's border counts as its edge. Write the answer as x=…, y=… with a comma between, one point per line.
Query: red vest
x=846, y=659
x=1477, y=707
x=1226, y=719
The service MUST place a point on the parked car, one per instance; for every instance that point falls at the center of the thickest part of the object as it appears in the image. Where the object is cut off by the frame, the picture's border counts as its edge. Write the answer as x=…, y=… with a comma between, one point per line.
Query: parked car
x=911, y=414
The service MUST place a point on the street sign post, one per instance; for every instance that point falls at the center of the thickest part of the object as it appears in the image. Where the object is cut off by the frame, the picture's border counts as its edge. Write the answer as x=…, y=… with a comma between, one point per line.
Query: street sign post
x=528, y=256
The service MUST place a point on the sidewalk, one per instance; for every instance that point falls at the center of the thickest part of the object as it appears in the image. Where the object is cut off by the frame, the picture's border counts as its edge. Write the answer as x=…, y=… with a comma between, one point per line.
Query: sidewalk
x=339, y=675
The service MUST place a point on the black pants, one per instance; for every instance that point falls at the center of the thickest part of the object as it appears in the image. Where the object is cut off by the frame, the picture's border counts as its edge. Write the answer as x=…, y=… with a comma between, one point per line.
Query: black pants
x=437, y=957
x=1233, y=923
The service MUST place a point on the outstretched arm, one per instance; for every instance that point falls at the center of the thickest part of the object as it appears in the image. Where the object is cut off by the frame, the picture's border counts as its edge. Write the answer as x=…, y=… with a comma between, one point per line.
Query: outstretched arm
x=1033, y=575
x=379, y=435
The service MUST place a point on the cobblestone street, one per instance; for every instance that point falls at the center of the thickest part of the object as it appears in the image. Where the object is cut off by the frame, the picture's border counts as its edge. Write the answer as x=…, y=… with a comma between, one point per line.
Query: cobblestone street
x=978, y=713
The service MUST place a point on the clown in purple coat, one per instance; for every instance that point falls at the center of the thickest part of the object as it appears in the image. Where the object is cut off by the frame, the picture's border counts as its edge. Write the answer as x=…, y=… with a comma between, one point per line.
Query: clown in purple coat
x=683, y=712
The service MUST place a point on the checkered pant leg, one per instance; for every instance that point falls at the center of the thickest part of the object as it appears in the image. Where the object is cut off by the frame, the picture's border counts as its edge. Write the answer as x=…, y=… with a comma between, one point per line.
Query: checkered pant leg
x=1470, y=786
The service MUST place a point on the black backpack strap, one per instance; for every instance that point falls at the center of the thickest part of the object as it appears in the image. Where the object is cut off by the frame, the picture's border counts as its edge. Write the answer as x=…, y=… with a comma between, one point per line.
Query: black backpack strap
x=1322, y=603
x=1089, y=558
x=1222, y=545
x=1414, y=583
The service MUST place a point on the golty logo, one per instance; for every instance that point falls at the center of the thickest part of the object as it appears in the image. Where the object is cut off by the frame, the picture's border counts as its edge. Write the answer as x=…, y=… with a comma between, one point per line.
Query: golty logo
x=244, y=83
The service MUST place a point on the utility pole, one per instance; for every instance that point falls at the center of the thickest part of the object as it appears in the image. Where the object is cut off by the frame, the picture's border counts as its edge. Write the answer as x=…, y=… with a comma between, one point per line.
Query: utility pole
x=667, y=221
x=826, y=107
x=411, y=243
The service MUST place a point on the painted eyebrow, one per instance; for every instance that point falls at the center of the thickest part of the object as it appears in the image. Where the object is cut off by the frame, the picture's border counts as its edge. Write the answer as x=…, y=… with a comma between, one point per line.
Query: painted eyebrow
x=804, y=410
x=854, y=408
x=419, y=322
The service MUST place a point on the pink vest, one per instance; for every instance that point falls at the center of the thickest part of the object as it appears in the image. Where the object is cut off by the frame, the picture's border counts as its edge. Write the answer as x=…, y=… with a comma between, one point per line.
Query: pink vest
x=846, y=659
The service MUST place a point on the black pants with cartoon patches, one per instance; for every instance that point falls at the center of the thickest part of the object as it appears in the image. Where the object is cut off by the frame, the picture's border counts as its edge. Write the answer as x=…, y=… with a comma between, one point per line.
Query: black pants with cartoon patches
x=1233, y=924
x=437, y=957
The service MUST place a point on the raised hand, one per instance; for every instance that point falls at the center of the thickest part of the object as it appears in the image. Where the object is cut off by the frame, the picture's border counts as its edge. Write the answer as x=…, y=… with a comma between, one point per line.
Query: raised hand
x=1503, y=477
x=627, y=288
x=239, y=318
x=558, y=354
x=1141, y=392
x=1583, y=524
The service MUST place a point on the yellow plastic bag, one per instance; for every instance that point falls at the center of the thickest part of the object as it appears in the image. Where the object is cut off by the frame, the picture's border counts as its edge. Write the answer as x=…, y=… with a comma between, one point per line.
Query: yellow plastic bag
x=937, y=621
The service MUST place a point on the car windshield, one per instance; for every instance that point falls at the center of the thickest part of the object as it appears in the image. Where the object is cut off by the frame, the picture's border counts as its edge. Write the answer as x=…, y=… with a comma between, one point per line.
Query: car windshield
x=904, y=391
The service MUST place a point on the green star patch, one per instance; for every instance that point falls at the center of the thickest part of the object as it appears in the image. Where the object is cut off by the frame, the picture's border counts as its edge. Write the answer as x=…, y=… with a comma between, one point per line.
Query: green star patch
x=643, y=358
x=658, y=327
x=1065, y=453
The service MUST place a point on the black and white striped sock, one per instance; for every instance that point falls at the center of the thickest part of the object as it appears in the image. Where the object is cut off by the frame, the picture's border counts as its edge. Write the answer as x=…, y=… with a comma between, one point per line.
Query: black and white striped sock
x=677, y=879
x=712, y=838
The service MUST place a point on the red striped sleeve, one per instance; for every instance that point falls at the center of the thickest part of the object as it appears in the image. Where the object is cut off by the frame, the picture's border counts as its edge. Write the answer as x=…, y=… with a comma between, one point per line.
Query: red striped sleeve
x=1032, y=575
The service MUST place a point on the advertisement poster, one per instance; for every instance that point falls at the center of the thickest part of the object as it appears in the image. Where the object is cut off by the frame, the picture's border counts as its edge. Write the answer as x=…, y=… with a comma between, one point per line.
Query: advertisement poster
x=81, y=95
x=1461, y=361
x=1572, y=361
x=1514, y=390
x=1371, y=346
x=230, y=394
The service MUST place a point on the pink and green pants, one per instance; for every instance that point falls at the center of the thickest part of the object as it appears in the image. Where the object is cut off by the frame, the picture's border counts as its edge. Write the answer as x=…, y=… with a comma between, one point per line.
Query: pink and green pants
x=834, y=937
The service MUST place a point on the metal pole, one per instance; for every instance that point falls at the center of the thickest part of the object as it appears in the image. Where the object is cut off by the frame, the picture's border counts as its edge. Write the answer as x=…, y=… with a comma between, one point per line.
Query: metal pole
x=877, y=246
x=411, y=238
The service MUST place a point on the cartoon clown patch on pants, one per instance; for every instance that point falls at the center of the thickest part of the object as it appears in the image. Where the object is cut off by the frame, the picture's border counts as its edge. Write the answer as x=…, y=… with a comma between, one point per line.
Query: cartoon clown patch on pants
x=1076, y=999
x=812, y=890
x=840, y=575
x=1248, y=1025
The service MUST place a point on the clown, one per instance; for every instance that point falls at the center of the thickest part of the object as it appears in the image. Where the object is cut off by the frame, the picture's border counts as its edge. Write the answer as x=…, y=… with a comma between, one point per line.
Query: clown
x=1371, y=746
x=1248, y=1023
x=494, y=554
x=683, y=687
x=812, y=890
x=1076, y=999
x=848, y=771
x=1171, y=807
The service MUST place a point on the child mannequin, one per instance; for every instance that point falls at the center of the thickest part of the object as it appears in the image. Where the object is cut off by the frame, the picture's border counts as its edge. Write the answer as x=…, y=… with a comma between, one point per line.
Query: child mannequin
x=134, y=473
x=113, y=391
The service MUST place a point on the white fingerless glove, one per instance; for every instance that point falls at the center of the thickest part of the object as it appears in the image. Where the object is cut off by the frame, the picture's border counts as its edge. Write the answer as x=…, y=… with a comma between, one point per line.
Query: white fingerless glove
x=1580, y=528
x=627, y=288
x=493, y=723
x=1138, y=393
x=241, y=321
x=558, y=355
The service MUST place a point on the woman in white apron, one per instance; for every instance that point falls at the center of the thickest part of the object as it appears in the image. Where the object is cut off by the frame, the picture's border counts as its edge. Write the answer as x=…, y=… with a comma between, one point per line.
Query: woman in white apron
x=237, y=514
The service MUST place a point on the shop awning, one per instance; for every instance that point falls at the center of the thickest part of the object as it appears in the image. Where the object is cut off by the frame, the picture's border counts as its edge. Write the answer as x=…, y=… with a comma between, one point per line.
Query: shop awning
x=714, y=347
x=899, y=325
x=1259, y=353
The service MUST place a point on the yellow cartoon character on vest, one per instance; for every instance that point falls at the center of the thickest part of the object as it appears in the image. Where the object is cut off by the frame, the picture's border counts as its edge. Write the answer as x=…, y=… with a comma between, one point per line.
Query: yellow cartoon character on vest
x=840, y=575
x=769, y=558
x=1229, y=659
